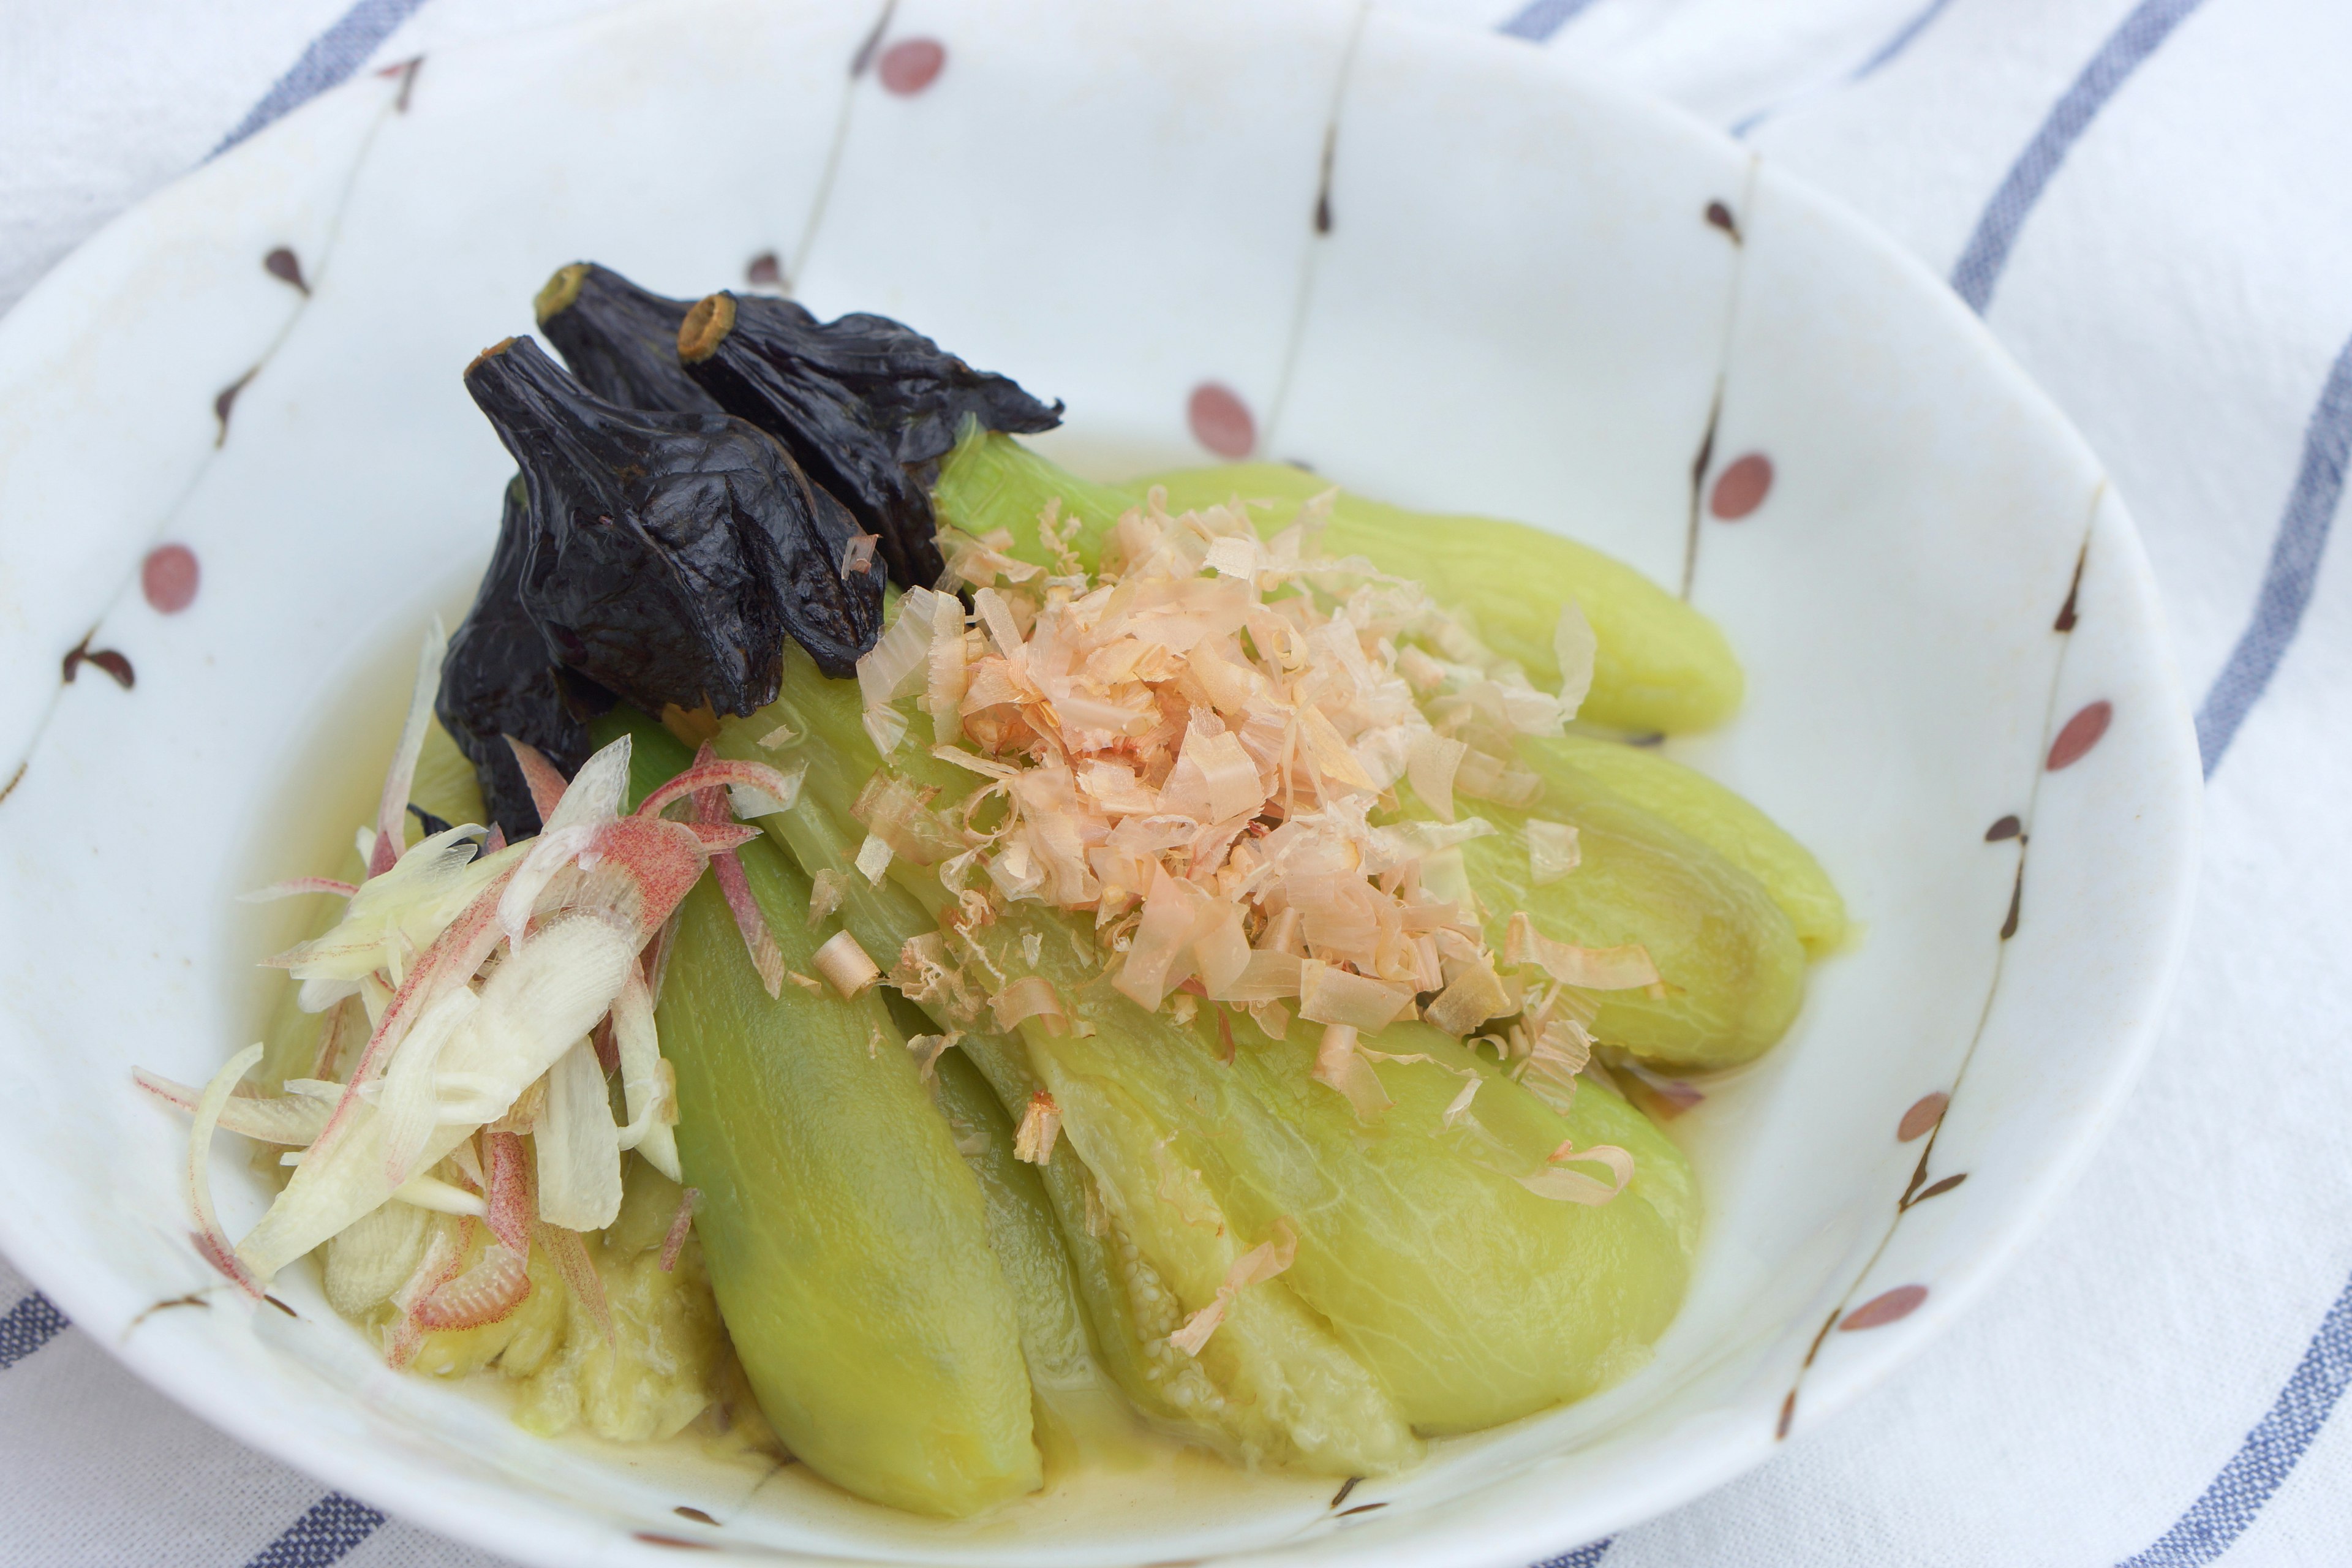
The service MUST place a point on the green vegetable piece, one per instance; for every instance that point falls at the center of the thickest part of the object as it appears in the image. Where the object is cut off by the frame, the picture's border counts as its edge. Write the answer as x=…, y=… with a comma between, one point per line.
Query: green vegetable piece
x=1287, y=1386
x=1081, y=1409
x=1176, y=1146
x=846, y=1239
x=1719, y=818
x=1732, y=968
x=1474, y=1301
x=1119, y=1292
x=1273, y=1385
x=991, y=482
x=1661, y=664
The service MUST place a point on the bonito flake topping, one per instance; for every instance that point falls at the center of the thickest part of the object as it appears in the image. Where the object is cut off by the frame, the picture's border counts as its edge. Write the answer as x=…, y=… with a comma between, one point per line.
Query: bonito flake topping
x=1200, y=743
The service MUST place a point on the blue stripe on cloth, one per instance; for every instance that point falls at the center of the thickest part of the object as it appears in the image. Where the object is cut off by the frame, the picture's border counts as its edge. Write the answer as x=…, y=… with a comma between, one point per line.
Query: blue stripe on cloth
x=1540, y=19
x=333, y=1525
x=1582, y=1557
x=2293, y=572
x=2135, y=37
x=331, y=57
x=26, y=1327
x=2270, y=1451
x=1904, y=37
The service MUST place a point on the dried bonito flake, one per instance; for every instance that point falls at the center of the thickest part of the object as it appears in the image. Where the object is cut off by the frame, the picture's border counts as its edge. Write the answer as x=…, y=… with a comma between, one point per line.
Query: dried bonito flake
x=845, y=967
x=1559, y=1182
x=1203, y=744
x=1256, y=1266
x=1625, y=968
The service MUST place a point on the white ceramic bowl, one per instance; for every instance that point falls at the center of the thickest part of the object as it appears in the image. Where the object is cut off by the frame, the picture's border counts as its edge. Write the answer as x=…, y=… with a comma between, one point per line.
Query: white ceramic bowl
x=1440, y=267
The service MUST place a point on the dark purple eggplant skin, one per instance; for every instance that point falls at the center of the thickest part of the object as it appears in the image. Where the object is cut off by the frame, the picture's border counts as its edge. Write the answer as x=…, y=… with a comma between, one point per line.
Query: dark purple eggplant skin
x=620, y=341
x=670, y=554
x=497, y=680
x=867, y=404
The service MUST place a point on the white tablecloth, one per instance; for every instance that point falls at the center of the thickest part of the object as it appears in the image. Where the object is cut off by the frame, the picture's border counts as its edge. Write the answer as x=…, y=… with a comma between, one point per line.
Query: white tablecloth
x=2149, y=203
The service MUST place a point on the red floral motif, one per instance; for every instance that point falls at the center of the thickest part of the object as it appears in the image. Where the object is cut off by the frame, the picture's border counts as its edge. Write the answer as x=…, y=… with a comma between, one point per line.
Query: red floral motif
x=1220, y=421
x=911, y=65
x=1880, y=1310
x=2080, y=734
x=168, y=577
x=1741, y=488
x=1922, y=1117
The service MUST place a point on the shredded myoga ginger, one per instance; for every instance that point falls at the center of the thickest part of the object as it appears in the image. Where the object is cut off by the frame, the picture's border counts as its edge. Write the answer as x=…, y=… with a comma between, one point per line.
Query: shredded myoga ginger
x=494, y=979
x=1199, y=743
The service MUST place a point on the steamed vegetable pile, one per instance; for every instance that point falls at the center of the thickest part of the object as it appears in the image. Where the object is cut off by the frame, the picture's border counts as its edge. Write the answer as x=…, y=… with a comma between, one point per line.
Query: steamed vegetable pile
x=1042, y=961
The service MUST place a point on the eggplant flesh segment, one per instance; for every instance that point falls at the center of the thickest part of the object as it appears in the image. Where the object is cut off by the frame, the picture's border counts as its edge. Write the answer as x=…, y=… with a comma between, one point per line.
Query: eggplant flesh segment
x=1445, y=1297
x=1731, y=966
x=867, y=404
x=1717, y=816
x=846, y=1238
x=1661, y=667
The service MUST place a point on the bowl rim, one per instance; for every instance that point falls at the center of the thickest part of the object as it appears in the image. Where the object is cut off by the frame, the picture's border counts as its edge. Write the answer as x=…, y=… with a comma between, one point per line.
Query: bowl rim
x=499, y=1514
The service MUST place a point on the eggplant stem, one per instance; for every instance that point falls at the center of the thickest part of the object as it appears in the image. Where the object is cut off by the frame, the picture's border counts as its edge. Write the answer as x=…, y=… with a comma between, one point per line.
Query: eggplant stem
x=556, y=295
x=706, y=327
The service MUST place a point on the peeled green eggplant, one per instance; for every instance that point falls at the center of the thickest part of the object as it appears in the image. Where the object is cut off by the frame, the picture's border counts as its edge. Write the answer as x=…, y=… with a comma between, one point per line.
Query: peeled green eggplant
x=1719, y=818
x=1471, y=1299
x=1661, y=666
x=1080, y=1408
x=1189, y=1157
x=1733, y=971
x=1125, y=1304
x=991, y=482
x=846, y=1239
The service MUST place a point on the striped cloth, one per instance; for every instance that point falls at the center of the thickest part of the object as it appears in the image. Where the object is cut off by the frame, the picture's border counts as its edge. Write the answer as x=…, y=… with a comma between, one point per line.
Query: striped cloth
x=2141, y=198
